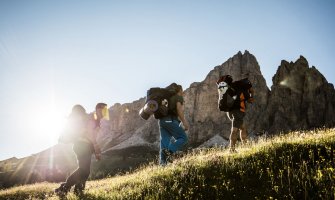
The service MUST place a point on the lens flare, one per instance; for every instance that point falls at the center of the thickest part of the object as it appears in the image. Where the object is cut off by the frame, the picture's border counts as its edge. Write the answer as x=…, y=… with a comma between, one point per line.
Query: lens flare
x=105, y=113
x=284, y=82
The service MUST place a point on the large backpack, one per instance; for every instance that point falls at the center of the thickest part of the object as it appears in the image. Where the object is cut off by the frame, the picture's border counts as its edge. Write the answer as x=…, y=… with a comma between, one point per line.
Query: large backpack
x=161, y=96
x=230, y=93
x=227, y=96
x=243, y=86
x=74, y=129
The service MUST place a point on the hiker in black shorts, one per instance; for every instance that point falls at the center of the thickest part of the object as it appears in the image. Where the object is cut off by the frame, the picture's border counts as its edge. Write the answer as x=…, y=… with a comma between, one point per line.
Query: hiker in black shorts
x=240, y=92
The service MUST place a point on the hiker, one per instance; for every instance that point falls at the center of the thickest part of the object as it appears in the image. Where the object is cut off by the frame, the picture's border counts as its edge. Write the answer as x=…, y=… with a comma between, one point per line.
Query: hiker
x=233, y=97
x=82, y=131
x=173, y=126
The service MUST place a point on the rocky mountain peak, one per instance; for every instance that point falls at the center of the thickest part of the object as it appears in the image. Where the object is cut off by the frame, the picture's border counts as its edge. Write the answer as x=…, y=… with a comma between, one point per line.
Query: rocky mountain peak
x=243, y=64
x=299, y=98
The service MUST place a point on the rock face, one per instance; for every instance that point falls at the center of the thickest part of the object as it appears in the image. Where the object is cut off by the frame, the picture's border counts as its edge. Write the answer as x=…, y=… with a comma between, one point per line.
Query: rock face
x=127, y=129
x=300, y=98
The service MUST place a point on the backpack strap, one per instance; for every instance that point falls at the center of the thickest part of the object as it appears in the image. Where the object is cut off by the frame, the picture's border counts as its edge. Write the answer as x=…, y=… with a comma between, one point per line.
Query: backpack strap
x=242, y=102
x=173, y=104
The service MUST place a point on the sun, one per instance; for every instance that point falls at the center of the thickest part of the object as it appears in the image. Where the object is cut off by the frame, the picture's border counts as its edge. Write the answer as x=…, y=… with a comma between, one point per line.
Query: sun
x=48, y=125
x=53, y=123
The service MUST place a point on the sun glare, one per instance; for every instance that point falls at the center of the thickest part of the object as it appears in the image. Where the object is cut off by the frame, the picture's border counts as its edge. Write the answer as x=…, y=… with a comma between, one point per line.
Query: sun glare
x=283, y=82
x=47, y=124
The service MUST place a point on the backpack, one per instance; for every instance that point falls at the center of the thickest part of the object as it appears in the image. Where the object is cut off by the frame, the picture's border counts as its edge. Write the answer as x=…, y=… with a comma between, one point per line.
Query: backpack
x=161, y=96
x=73, y=130
x=244, y=86
x=227, y=97
x=230, y=93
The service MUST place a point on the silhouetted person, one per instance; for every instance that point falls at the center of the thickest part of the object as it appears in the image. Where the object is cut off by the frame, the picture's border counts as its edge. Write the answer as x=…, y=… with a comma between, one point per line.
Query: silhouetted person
x=82, y=131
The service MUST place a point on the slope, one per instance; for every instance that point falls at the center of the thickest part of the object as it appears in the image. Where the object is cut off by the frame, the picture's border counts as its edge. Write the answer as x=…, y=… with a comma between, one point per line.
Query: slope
x=297, y=165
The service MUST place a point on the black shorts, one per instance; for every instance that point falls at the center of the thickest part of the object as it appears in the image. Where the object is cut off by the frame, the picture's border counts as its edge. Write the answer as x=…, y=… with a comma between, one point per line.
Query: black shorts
x=236, y=116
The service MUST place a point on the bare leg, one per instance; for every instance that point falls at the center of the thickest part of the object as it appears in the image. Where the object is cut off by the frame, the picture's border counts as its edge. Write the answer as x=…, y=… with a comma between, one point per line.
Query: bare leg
x=243, y=134
x=233, y=138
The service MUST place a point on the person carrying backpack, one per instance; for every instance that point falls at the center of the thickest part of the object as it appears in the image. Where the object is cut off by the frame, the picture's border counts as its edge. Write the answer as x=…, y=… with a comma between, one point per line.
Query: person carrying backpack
x=82, y=130
x=232, y=99
x=173, y=126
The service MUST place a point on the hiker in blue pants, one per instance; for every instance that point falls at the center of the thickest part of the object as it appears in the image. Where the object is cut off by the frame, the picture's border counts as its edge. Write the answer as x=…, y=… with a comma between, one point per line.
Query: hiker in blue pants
x=173, y=126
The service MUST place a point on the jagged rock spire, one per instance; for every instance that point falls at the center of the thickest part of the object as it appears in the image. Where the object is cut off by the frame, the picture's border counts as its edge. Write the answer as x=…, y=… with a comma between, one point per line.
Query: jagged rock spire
x=299, y=98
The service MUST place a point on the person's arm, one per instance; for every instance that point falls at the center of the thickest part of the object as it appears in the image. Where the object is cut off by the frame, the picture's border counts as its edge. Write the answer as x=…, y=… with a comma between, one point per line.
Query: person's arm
x=180, y=112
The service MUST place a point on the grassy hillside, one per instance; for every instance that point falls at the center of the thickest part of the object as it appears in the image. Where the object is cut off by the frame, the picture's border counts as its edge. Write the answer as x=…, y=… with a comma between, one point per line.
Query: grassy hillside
x=299, y=165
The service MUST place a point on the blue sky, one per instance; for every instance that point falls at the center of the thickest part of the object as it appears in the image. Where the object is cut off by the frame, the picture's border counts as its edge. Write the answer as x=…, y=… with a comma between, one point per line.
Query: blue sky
x=54, y=54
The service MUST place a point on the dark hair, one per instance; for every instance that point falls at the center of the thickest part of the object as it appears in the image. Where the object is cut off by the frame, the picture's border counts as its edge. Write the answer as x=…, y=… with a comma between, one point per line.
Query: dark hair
x=179, y=88
x=100, y=105
x=78, y=110
x=227, y=78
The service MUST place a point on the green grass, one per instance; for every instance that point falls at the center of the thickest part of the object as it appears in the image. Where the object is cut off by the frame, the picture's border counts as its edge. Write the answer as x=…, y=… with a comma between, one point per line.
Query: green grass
x=298, y=165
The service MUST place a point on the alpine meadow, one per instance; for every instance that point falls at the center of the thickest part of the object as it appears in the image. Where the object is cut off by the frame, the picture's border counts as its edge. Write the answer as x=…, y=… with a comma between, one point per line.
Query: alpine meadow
x=297, y=165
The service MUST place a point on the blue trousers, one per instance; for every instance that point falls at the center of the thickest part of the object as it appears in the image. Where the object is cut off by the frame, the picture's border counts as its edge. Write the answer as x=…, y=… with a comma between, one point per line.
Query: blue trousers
x=169, y=129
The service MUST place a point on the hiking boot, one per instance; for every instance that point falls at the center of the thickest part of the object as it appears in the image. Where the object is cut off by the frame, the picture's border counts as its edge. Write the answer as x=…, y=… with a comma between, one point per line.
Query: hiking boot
x=79, y=189
x=62, y=190
x=232, y=150
x=179, y=154
x=168, y=155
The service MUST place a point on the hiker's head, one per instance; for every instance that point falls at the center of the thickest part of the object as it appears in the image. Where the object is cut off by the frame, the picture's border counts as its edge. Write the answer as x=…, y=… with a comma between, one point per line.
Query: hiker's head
x=101, y=111
x=78, y=111
x=179, y=89
x=226, y=78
